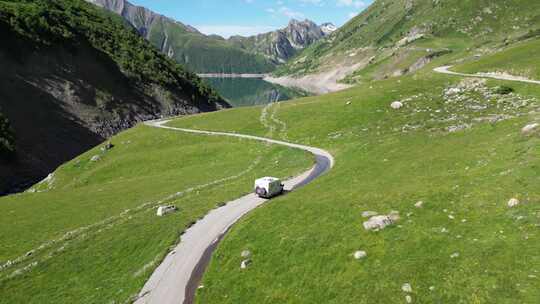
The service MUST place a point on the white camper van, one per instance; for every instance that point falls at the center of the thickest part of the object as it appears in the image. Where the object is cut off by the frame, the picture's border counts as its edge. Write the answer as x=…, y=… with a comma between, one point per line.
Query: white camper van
x=268, y=187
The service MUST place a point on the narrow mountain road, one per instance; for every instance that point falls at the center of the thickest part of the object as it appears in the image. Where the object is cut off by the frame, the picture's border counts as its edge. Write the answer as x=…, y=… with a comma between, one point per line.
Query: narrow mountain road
x=445, y=70
x=177, y=278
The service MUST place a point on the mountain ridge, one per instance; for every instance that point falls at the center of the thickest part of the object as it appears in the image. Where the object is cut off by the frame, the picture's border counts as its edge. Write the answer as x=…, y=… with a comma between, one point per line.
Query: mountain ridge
x=283, y=44
x=215, y=54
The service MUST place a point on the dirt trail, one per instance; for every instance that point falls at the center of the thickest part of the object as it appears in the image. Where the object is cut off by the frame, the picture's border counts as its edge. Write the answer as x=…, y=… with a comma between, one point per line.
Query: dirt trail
x=176, y=279
x=445, y=70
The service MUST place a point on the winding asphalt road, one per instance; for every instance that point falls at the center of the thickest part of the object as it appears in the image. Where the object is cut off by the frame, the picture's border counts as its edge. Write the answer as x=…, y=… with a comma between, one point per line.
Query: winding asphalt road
x=176, y=279
x=445, y=70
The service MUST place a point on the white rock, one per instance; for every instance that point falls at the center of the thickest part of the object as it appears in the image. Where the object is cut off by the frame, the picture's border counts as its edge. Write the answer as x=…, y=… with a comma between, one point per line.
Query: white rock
x=419, y=204
x=454, y=255
x=381, y=221
x=453, y=91
x=164, y=210
x=245, y=254
x=408, y=299
x=513, y=202
x=360, y=254
x=529, y=128
x=369, y=213
x=406, y=288
x=245, y=264
x=394, y=215
x=396, y=105
x=95, y=158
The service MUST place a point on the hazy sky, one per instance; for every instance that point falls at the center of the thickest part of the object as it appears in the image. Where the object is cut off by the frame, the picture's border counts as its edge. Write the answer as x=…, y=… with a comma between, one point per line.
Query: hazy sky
x=248, y=17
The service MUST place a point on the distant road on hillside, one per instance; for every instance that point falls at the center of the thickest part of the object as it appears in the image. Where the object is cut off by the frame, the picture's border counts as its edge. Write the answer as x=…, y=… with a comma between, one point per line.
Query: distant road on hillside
x=445, y=70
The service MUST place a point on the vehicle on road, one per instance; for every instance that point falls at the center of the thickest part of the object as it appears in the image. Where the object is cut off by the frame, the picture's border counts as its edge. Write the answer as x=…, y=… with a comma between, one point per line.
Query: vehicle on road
x=268, y=187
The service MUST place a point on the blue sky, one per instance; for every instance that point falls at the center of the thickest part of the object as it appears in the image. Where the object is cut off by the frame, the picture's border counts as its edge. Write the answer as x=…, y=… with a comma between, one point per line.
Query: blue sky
x=249, y=17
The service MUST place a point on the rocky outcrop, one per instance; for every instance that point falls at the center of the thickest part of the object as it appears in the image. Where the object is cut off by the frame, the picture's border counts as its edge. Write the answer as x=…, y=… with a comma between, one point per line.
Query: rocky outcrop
x=285, y=43
x=140, y=17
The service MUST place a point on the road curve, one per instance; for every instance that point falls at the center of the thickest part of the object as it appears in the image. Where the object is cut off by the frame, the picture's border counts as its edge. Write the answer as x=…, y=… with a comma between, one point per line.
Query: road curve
x=445, y=70
x=176, y=279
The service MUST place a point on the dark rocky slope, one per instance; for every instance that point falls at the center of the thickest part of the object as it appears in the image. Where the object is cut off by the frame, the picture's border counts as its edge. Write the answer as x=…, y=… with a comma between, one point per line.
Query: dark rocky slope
x=73, y=75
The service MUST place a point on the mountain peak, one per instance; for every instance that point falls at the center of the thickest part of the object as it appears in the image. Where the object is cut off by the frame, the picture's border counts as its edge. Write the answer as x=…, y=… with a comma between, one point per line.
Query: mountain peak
x=328, y=28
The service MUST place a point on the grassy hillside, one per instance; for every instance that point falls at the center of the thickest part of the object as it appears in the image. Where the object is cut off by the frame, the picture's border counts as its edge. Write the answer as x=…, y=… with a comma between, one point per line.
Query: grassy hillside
x=68, y=22
x=517, y=60
x=463, y=155
x=206, y=54
x=89, y=233
x=74, y=75
x=392, y=37
x=198, y=52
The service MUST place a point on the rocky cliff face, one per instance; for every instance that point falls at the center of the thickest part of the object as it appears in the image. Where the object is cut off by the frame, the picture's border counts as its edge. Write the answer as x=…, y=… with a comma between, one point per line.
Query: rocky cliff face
x=283, y=44
x=140, y=17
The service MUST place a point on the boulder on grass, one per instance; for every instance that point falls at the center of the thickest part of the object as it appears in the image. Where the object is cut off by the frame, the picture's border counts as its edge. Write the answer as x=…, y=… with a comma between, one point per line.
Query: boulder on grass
x=164, y=210
x=95, y=158
x=380, y=222
x=245, y=264
x=360, y=254
x=396, y=105
x=530, y=128
x=513, y=202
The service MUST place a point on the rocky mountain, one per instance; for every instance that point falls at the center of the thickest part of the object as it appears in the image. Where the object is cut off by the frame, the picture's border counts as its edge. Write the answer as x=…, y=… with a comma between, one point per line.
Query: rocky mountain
x=183, y=43
x=328, y=28
x=214, y=54
x=140, y=17
x=73, y=75
x=283, y=44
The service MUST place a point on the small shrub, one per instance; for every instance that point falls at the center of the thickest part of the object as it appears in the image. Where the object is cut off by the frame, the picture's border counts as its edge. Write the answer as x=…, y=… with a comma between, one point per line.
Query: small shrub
x=503, y=90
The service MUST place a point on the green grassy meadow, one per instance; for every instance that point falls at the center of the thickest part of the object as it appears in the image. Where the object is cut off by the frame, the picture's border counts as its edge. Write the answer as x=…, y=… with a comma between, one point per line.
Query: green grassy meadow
x=91, y=235
x=515, y=60
x=387, y=160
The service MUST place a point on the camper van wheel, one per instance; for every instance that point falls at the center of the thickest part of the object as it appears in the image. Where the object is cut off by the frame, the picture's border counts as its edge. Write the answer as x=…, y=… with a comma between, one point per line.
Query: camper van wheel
x=260, y=191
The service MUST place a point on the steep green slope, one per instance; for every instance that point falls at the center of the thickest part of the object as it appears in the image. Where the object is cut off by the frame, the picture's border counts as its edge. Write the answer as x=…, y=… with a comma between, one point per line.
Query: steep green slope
x=198, y=52
x=205, y=54
x=392, y=37
x=463, y=154
x=518, y=59
x=73, y=75
x=89, y=232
